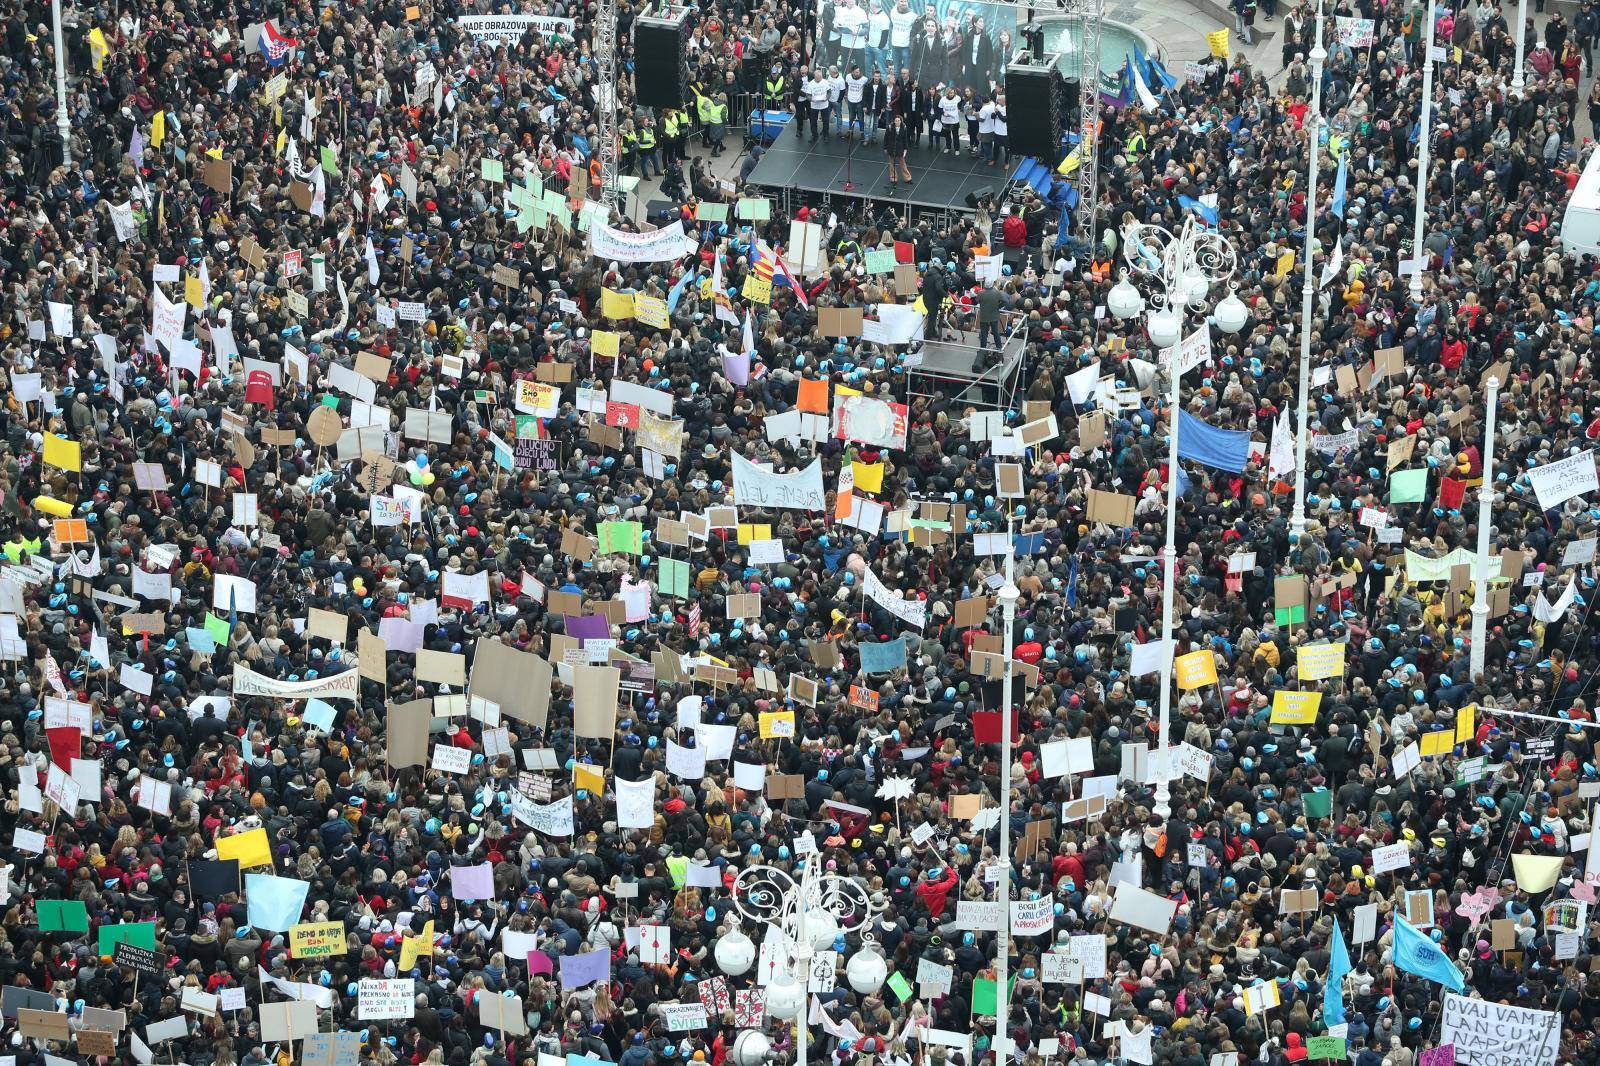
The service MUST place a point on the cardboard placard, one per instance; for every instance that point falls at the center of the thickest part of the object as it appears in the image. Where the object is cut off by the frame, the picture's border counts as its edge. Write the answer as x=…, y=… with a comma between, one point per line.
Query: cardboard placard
x=1112, y=508
x=839, y=321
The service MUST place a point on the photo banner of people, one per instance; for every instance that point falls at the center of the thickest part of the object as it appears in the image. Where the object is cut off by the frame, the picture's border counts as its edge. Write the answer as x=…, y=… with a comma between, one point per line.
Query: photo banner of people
x=935, y=43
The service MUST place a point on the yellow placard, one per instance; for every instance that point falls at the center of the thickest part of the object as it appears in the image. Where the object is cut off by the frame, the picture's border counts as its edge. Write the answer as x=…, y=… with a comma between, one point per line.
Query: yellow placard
x=651, y=311
x=158, y=129
x=587, y=777
x=1318, y=661
x=777, y=724
x=757, y=290
x=317, y=940
x=1218, y=40
x=616, y=305
x=413, y=946
x=1195, y=670
x=1295, y=708
x=604, y=342
x=869, y=476
x=194, y=292
x=758, y=531
x=1438, y=742
x=250, y=848
x=1467, y=723
x=64, y=453
x=1285, y=264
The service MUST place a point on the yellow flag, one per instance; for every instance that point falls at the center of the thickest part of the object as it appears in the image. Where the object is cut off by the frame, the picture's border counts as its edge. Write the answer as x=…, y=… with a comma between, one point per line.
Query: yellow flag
x=587, y=777
x=1467, y=723
x=98, y=49
x=63, y=453
x=1218, y=40
x=412, y=946
x=158, y=129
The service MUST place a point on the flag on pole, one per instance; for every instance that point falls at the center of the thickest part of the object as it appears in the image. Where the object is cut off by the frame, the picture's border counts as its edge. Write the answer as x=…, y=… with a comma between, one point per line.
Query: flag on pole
x=1280, y=458
x=1333, y=987
x=1335, y=263
x=275, y=47
x=1415, y=953
x=1339, y=182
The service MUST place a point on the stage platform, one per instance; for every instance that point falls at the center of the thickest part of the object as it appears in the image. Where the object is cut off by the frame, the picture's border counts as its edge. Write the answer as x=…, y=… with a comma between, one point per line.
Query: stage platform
x=948, y=368
x=939, y=181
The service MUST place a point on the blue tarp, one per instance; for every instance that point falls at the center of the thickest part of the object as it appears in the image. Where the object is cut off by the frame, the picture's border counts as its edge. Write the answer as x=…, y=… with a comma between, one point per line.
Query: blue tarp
x=1222, y=449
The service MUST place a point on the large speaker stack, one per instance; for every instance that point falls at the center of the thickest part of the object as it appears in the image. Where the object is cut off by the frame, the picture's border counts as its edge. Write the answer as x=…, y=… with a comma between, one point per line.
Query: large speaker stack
x=660, y=59
x=1036, y=108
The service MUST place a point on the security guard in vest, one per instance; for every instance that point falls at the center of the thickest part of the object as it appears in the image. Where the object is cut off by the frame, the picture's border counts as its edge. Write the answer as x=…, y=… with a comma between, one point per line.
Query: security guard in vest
x=647, y=148
x=775, y=89
x=1134, y=147
x=714, y=116
x=627, y=148
x=671, y=123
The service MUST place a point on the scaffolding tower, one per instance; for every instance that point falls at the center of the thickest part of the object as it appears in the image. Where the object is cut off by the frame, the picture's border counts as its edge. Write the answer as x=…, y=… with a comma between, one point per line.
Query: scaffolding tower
x=605, y=58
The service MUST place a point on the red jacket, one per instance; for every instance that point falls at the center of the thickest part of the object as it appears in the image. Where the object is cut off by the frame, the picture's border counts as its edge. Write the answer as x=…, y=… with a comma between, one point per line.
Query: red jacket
x=935, y=894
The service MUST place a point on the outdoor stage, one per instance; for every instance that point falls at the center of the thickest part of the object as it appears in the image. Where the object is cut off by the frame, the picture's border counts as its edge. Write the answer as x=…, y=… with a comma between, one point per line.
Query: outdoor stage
x=938, y=181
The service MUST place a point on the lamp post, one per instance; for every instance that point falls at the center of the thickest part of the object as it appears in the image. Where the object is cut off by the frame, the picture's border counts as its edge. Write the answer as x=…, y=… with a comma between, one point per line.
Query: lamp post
x=1422, y=158
x=63, y=123
x=811, y=912
x=1009, y=594
x=1297, y=520
x=1480, y=577
x=1517, y=80
x=1181, y=269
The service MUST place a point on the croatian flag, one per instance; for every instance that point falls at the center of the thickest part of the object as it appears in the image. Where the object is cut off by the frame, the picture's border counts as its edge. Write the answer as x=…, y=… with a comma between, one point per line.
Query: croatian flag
x=274, y=45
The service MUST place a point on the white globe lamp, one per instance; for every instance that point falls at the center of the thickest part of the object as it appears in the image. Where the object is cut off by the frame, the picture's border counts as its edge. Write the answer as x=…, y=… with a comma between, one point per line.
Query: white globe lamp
x=751, y=1048
x=866, y=971
x=785, y=999
x=822, y=929
x=735, y=953
x=1124, y=300
x=1166, y=328
x=1231, y=314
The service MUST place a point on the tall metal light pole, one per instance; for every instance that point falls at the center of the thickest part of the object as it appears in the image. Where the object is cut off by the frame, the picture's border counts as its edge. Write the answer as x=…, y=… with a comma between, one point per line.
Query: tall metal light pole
x=63, y=122
x=1480, y=577
x=1418, y=256
x=1517, y=80
x=1009, y=594
x=1297, y=520
x=1182, y=268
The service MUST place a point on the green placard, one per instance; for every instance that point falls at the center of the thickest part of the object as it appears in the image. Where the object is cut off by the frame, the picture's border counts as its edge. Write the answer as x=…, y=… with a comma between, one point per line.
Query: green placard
x=1289, y=616
x=329, y=164
x=1326, y=1047
x=1318, y=804
x=707, y=212
x=880, y=261
x=901, y=986
x=492, y=170
x=1408, y=486
x=63, y=916
x=758, y=210
x=139, y=934
x=218, y=628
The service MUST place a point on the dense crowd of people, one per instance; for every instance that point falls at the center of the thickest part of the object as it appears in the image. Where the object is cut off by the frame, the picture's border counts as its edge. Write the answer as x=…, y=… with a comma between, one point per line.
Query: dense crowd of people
x=314, y=371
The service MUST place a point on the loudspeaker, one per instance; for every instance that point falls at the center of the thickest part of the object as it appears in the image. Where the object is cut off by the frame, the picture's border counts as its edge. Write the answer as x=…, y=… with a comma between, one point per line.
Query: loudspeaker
x=977, y=196
x=1071, y=100
x=661, y=67
x=1033, y=110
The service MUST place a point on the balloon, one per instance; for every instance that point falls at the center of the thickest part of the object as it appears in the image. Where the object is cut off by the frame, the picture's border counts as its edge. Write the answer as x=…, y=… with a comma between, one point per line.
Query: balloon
x=416, y=478
x=428, y=478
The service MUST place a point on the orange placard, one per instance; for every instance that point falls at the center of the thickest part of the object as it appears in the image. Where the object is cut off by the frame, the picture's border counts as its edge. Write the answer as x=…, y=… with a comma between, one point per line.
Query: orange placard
x=865, y=698
x=814, y=396
x=72, y=531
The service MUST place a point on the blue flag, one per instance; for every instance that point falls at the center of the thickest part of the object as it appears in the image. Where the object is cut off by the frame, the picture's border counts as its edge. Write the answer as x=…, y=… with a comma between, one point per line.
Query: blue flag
x=676, y=292
x=1333, y=989
x=1199, y=207
x=1339, y=182
x=275, y=903
x=1415, y=953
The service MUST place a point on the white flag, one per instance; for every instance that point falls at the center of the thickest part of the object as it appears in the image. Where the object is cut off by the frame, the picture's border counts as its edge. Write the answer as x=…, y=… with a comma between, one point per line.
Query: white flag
x=1280, y=458
x=749, y=335
x=1335, y=263
x=372, y=263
